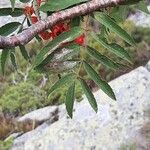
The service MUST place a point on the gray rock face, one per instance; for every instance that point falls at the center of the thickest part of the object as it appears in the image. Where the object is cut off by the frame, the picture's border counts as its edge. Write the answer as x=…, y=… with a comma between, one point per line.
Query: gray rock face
x=148, y=66
x=40, y=114
x=115, y=123
x=140, y=18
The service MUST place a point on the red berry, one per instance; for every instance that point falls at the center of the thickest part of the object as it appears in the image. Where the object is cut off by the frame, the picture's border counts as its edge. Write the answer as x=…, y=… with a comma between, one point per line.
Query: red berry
x=65, y=27
x=56, y=32
x=28, y=10
x=80, y=40
x=58, y=29
x=45, y=35
x=34, y=19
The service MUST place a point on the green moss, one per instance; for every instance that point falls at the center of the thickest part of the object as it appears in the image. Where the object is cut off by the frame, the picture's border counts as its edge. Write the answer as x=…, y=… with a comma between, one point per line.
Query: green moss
x=27, y=96
x=5, y=145
x=34, y=77
x=3, y=87
x=22, y=98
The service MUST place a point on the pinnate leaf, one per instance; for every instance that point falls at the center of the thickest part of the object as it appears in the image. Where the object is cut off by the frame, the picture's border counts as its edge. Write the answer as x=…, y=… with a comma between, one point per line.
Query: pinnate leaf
x=13, y=60
x=105, y=87
x=9, y=28
x=8, y=11
x=113, y=47
x=89, y=94
x=62, y=81
x=24, y=52
x=52, y=5
x=70, y=100
x=56, y=43
x=102, y=58
x=4, y=56
x=110, y=23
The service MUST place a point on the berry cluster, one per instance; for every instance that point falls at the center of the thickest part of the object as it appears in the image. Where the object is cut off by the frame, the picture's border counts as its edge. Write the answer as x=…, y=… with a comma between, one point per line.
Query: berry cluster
x=80, y=40
x=55, y=30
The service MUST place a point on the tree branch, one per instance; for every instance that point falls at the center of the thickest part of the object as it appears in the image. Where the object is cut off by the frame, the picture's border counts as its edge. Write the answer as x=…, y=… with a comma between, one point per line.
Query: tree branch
x=27, y=35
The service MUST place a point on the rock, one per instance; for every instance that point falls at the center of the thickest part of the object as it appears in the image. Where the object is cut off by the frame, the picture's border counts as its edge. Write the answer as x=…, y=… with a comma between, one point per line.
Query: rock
x=142, y=137
x=40, y=114
x=14, y=135
x=141, y=18
x=148, y=66
x=48, y=114
x=115, y=123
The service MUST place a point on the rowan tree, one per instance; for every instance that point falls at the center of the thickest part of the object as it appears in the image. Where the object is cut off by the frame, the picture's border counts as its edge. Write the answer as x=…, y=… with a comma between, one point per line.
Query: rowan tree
x=65, y=32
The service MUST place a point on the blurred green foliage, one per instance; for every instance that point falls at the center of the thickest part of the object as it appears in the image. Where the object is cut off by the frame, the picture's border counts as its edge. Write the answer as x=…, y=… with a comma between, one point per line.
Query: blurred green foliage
x=23, y=97
x=5, y=145
x=142, y=34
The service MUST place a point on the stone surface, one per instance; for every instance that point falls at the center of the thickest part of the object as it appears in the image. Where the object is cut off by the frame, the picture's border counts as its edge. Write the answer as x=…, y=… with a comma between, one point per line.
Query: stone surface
x=116, y=122
x=148, y=66
x=141, y=18
x=40, y=114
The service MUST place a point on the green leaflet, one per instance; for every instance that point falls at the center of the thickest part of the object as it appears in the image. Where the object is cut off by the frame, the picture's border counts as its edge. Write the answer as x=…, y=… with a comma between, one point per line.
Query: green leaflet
x=56, y=43
x=109, y=23
x=24, y=52
x=73, y=46
x=4, y=56
x=75, y=21
x=121, y=52
x=13, y=60
x=113, y=47
x=70, y=99
x=89, y=94
x=59, y=5
x=67, y=78
x=9, y=28
x=120, y=13
x=102, y=59
x=101, y=83
x=24, y=1
x=8, y=11
x=73, y=50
